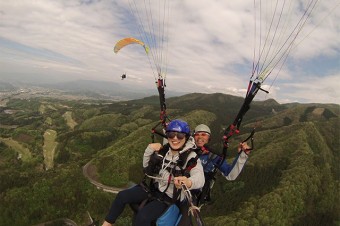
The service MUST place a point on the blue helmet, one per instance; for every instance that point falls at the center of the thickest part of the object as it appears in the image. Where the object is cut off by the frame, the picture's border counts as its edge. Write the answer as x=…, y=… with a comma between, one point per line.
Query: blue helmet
x=178, y=126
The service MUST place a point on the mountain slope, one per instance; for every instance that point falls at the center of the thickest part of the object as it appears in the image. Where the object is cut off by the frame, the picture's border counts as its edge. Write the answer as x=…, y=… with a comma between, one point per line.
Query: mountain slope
x=291, y=178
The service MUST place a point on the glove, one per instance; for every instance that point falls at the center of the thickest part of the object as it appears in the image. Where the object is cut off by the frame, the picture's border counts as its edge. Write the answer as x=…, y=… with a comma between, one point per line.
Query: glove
x=154, y=165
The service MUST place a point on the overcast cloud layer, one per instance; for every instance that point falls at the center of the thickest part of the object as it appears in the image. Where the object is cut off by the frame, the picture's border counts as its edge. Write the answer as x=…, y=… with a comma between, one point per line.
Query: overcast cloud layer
x=210, y=47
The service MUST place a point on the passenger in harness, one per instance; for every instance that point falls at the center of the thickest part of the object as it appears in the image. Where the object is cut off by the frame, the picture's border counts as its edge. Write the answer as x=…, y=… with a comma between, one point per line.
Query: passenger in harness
x=170, y=167
x=211, y=162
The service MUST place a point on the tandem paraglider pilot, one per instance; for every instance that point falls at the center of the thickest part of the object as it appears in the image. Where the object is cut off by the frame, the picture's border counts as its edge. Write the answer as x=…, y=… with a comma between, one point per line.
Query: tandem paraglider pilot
x=177, y=166
x=211, y=162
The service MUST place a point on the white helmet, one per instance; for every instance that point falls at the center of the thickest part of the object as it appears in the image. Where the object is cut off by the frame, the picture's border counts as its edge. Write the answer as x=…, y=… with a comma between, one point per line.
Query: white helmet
x=202, y=128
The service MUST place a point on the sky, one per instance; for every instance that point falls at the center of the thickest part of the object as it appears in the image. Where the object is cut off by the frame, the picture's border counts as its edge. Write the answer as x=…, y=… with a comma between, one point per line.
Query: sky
x=203, y=46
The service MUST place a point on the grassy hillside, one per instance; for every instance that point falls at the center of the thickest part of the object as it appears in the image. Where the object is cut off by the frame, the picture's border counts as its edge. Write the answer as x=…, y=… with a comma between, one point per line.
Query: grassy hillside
x=294, y=163
x=291, y=178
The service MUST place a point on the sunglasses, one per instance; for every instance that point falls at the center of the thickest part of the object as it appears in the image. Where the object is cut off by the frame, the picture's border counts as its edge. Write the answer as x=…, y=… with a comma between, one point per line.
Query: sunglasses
x=179, y=135
x=202, y=134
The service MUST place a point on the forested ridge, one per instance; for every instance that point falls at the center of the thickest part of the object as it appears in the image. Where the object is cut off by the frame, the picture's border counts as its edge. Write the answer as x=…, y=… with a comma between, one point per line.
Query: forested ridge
x=291, y=178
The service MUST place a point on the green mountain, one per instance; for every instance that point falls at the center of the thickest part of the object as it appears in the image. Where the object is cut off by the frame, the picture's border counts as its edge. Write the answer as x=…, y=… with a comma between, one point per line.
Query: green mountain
x=291, y=178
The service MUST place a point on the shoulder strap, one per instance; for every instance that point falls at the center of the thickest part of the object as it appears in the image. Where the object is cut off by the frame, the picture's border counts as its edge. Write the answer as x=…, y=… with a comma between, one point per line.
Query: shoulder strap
x=191, y=163
x=183, y=158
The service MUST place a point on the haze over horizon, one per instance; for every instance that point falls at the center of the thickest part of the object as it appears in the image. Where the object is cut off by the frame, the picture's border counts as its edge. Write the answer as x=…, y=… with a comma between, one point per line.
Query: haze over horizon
x=210, y=47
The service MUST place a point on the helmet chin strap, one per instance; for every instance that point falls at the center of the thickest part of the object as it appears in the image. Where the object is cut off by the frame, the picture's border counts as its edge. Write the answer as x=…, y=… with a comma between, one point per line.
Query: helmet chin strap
x=178, y=149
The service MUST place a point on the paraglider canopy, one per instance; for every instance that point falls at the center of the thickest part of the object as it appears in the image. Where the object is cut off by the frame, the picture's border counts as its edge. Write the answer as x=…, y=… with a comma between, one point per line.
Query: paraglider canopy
x=127, y=41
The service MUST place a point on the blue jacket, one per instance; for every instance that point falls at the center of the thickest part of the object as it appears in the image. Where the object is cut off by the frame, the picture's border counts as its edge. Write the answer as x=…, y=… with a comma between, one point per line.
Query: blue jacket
x=211, y=161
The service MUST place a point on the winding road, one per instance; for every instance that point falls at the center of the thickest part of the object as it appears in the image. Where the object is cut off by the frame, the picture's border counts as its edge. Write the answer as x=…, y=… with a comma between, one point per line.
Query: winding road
x=89, y=171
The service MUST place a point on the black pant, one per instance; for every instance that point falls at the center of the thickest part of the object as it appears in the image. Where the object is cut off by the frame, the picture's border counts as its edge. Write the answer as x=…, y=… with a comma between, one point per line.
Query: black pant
x=145, y=216
x=184, y=209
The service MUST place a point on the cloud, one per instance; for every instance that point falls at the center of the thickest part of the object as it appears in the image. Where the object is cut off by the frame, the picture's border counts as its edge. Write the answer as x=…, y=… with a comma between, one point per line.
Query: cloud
x=209, y=44
x=315, y=90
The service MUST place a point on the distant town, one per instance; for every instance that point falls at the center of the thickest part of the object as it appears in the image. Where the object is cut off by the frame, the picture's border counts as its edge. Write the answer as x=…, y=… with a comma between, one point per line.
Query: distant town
x=36, y=91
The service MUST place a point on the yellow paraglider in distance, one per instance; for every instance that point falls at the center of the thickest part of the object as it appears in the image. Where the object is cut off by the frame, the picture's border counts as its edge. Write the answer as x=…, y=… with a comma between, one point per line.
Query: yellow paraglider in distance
x=127, y=41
